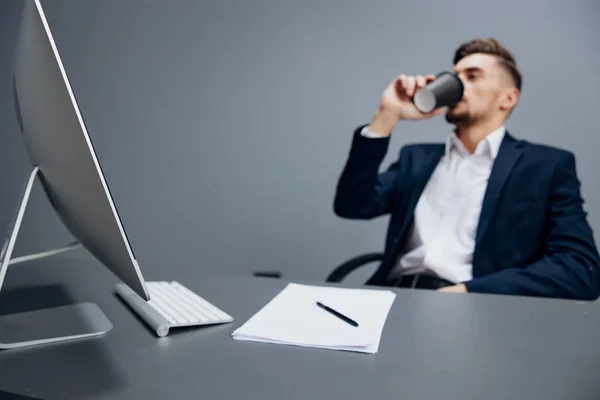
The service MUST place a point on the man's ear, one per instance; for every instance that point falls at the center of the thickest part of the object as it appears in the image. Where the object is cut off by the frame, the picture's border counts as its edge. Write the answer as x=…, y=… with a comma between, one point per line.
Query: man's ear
x=511, y=98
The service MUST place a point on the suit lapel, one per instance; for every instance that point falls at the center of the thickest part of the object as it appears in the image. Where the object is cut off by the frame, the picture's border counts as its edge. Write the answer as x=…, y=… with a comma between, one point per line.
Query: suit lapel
x=420, y=178
x=423, y=170
x=508, y=155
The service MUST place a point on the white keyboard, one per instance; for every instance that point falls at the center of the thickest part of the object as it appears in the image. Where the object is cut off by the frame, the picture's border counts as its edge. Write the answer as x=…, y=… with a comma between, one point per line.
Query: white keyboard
x=172, y=305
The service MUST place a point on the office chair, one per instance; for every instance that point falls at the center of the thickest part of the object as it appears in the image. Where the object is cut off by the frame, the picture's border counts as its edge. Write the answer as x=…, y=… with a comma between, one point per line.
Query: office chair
x=339, y=273
x=343, y=270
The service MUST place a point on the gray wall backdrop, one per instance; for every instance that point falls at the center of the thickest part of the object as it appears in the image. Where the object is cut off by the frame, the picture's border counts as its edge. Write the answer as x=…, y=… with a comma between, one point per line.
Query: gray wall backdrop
x=222, y=126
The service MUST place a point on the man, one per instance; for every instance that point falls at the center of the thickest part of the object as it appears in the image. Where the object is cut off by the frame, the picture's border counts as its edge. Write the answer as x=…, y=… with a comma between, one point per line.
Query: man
x=484, y=212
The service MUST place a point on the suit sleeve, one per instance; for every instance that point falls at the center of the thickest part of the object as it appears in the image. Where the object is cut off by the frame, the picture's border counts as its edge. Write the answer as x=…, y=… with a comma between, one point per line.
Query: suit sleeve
x=362, y=192
x=571, y=265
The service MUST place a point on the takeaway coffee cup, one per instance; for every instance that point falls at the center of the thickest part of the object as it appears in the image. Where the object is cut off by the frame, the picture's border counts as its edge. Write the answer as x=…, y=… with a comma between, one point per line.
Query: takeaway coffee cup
x=445, y=91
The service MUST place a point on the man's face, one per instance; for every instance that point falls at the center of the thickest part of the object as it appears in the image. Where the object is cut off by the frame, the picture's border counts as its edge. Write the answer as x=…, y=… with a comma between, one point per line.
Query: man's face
x=486, y=84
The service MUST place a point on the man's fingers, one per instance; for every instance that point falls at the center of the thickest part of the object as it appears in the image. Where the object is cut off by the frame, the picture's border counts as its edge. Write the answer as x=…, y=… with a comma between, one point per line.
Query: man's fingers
x=410, y=86
x=438, y=111
x=460, y=288
x=434, y=113
x=401, y=82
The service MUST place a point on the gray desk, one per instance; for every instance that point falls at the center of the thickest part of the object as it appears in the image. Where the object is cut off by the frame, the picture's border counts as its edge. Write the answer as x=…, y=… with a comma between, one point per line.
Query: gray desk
x=434, y=346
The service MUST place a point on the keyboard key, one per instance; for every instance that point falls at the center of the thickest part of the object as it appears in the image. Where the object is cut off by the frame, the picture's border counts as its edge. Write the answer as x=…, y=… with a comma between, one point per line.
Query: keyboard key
x=180, y=306
x=172, y=305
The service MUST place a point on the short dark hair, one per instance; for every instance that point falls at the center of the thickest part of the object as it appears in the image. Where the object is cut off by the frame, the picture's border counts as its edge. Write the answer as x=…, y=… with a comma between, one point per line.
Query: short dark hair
x=493, y=47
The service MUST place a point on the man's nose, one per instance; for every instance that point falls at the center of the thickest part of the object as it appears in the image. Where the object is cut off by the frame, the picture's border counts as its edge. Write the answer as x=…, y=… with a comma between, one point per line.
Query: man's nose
x=462, y=77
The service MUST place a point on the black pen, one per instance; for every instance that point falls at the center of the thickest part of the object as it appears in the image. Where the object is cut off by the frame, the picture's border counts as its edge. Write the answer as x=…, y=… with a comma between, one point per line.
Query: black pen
x=337, y=314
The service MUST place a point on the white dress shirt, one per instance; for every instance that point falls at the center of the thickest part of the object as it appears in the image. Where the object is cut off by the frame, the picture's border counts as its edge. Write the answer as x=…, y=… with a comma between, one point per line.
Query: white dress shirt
x=441, y=240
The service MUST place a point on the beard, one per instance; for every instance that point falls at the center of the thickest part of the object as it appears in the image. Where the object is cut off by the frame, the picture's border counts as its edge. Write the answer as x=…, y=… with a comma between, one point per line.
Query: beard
x=455, y=116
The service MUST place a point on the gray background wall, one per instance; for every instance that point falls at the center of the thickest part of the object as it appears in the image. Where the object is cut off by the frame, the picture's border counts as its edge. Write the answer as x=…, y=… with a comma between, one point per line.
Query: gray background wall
x=222, y=126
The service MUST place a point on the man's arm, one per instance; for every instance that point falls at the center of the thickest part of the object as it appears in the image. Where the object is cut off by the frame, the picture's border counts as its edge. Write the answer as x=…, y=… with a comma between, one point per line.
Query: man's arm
x=571, y=265
x=362, y=192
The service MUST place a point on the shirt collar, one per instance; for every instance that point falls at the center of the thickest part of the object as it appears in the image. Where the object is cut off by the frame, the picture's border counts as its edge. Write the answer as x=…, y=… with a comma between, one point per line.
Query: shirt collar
x=490, y=145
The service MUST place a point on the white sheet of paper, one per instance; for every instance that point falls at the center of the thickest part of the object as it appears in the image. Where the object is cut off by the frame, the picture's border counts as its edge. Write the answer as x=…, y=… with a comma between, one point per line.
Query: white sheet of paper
x=293, y=317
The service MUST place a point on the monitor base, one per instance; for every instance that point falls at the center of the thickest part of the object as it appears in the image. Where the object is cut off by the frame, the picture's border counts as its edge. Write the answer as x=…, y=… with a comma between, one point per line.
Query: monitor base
x=52, y=325
x=48, y=325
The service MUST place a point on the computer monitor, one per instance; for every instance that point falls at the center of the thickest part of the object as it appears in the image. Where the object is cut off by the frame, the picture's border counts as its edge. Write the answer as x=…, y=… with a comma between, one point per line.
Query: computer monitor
x=64, y=160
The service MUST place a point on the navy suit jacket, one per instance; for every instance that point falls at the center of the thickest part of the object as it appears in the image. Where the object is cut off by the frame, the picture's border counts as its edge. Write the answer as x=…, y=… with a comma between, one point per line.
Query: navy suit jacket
x=532, y=239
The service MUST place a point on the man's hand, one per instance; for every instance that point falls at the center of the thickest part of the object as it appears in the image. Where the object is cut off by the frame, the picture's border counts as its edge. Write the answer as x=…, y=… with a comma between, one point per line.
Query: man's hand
x=397, y=103
x=461, y=288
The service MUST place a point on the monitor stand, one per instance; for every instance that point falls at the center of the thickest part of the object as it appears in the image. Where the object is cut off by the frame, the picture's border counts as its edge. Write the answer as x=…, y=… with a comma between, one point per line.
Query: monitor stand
x=48, y=325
